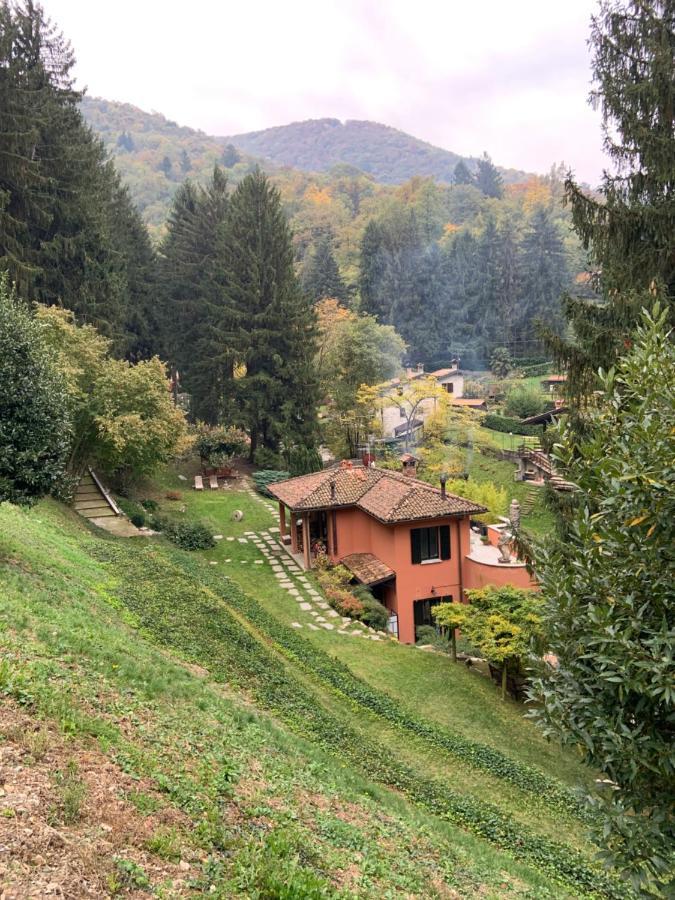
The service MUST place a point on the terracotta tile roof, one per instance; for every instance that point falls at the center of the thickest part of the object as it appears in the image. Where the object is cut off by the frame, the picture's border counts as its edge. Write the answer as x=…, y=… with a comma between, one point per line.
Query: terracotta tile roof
x=441, y=373
x=555, y=379
x=385, y=495
x=368, y=569
x=467, y=401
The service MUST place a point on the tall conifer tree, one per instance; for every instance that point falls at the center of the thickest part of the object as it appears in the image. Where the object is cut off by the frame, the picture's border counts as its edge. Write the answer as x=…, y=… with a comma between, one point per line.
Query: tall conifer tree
x=275, y=328
x=629, y=231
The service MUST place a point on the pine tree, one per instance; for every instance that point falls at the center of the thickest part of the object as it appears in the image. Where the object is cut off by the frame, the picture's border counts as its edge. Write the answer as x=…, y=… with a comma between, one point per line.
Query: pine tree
x=488, y=179
x=462, y=174
x=58, y=192
x=629, y=231
x=371, y=272
x=321, y=276
x=545, y=276
x=198, y=313
x=275, y=322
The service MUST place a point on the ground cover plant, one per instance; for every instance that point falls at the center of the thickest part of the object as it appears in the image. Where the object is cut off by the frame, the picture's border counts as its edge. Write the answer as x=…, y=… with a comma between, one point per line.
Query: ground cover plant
x=254, y=810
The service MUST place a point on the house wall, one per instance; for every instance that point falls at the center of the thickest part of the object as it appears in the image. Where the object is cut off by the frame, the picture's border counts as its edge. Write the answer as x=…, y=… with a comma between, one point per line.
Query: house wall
x=480, y=574
x=359, y=533
x=391, y=417
x=457, y=382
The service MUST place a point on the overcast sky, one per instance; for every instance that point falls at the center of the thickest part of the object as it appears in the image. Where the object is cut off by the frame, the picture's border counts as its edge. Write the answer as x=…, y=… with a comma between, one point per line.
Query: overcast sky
x=508, y=76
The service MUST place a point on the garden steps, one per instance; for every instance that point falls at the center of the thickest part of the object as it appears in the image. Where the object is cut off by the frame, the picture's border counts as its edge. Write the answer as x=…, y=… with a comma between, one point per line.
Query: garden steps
x=92, y=500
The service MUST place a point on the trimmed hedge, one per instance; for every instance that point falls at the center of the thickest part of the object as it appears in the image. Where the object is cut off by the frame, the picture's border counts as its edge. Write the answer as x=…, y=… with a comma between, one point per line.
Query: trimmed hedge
x=510, y=426
x=209, y=627
x=539, y=369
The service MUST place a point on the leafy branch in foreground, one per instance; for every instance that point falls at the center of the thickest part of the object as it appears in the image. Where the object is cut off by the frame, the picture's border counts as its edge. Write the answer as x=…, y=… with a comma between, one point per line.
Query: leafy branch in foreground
x=610, y=595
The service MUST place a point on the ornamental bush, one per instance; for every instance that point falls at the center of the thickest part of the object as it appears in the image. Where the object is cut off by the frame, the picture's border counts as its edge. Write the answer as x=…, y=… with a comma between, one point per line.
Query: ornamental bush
x=35, y=427
x=186, y=535
x=509, y=425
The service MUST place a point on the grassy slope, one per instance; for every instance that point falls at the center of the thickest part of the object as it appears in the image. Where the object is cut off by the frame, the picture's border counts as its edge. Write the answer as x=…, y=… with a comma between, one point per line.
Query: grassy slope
x=72, y=620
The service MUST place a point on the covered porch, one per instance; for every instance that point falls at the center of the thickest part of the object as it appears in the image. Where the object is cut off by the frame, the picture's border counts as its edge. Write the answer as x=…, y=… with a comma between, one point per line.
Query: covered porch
x=308, y=534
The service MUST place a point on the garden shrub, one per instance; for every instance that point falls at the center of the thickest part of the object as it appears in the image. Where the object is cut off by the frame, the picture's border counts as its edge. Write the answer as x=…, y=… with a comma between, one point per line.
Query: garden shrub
x=186, y=535
x=509, y=425
x=374, y=613
x=523, y=401
x=426, y=634
x=266, y=459
x=137, y=519
x=149, y=505
x=265, y=477
x=173, y=495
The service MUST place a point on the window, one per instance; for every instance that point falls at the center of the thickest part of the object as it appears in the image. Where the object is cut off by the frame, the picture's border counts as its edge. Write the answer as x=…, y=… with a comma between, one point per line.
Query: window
x=401, y=412
x=449, y=387
x=429, y=544
x=422, y=609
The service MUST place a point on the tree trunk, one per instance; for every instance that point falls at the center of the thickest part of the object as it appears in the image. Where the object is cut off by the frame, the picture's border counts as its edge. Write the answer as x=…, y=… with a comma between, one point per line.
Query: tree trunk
x=504, y=683
x=453, y=644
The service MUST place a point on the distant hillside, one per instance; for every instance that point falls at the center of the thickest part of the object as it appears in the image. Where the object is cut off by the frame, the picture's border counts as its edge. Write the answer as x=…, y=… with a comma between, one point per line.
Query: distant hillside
x=154, y=155
x=389, y=155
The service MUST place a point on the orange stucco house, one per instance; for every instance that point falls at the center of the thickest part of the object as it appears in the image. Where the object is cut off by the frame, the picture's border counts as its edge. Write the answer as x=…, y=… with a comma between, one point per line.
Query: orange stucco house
x=410, y=542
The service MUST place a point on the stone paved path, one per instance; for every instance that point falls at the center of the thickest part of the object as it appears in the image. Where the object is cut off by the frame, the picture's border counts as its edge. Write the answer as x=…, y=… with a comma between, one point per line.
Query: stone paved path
x=313, y=611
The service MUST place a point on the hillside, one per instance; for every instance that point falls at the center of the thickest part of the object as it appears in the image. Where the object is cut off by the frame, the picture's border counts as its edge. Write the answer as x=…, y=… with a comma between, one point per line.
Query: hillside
x=240, y=756
x=154, y=155
x=390, y=156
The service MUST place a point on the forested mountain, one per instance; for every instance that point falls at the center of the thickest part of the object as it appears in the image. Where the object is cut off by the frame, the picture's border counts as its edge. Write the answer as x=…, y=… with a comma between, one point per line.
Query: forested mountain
x=154, y=155
x=389, y=155
x=456, y=268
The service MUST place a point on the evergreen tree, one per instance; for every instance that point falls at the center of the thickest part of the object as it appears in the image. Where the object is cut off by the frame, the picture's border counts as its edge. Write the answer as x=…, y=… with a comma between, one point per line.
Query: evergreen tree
x=629, y=231
x=198, y=312
x=488, y=179
x=185, y=164
x=508, y=286
x=275, y=329
x=59, y=195
x=371, y=272
x=462, y=174
x=545, y=276
x=321, y=275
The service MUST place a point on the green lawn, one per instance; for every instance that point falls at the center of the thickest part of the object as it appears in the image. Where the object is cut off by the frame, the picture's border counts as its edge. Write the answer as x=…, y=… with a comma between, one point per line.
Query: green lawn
x=373, y=727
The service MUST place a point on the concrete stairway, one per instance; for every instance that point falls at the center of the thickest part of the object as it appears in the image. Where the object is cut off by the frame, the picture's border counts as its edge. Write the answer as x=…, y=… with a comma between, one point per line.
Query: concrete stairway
x=91, y=500
x=529, y=501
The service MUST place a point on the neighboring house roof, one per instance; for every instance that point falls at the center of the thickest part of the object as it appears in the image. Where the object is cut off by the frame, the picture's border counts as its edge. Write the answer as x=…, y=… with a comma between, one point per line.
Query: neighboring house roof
x=385, y=495
x=400, y=430
x=546, y=417
x=554, y=379
x=368, y=569
x=442, y=373
x=477, y=403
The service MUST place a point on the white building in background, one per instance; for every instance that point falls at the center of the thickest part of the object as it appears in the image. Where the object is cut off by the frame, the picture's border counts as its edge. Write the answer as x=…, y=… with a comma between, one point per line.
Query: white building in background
x=394, y=419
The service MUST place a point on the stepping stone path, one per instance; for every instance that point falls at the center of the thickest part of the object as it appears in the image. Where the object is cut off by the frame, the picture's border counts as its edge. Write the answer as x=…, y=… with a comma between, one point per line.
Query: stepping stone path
x=293, y=579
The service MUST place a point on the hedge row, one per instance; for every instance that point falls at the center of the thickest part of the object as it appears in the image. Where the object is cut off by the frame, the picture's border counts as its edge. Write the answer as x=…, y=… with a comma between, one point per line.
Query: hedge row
x=538, y=369
x=509, y=425
x=185, y=616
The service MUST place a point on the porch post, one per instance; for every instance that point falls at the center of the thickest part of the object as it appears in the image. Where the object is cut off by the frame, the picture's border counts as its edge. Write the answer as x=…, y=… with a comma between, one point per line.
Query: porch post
x=294, y=532
x=282, y=521
x=305, y=541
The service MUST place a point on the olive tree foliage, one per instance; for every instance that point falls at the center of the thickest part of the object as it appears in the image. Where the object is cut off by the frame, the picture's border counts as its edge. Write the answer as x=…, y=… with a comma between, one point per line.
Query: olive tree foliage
x=34, y=422
x=609, y=587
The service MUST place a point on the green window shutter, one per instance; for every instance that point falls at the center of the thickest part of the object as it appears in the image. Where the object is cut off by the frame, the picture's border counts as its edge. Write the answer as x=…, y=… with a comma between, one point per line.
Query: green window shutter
x=416, y=545
x=445, y=541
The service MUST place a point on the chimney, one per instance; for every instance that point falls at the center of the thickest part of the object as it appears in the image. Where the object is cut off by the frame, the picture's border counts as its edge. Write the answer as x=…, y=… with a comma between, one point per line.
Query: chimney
x=409, y=465
x=444, y=478
x=420, y=368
